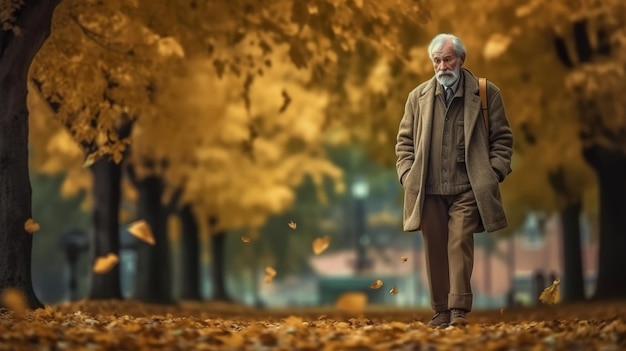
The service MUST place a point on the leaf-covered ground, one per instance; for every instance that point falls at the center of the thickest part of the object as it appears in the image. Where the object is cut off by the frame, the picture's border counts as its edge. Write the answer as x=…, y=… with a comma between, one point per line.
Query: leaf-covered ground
x=129, y=325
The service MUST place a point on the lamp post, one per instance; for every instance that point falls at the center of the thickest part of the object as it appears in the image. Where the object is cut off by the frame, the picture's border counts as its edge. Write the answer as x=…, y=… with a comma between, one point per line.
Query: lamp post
x=360, y=191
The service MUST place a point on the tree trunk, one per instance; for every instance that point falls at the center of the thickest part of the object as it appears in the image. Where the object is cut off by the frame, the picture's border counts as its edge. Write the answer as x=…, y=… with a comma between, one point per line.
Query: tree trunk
x=610, y=167
x=218, y=249
x=570, y=200
x=16, y=54
x=573, y=286
x=107, y=176
x=153, y=277
x=190, y=256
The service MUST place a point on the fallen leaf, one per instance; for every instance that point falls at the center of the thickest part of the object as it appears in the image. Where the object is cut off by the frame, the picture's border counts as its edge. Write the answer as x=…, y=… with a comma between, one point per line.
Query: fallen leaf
x=321, y=244
x=292, y=225
x=377, y=284
x=31, y=226
x=551, y=295
x=104, y=264
x=394, y=290
x=245, y=239
x=403, y=258
x=353, y=302
x=141, y=230
x=14, y=300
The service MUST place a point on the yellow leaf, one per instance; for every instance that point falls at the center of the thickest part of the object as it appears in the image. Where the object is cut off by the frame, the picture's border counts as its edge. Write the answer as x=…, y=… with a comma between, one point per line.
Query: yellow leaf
x=90, y=160
x=31, y=226
x=270, y=273
x=14, y=300
x=141, y=230
x=292, y=225
x=312, y=9
x=245, y=239
x=394, y=290
x=352, y=302
x=321, y=244
x=403, y=258
x=104, y=264
x=551, y=295
x=377, y=284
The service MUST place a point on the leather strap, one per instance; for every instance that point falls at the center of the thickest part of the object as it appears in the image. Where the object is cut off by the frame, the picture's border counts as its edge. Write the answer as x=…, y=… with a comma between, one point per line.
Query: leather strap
x=482, y=85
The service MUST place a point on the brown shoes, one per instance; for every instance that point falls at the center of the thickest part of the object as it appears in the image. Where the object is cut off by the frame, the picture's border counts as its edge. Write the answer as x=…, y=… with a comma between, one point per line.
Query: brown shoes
x=440, y=319
x=455, y=317
x=458, y=318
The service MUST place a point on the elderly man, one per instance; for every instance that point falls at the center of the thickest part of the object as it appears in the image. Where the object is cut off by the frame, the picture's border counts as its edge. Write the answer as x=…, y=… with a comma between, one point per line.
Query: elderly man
x=450, y=163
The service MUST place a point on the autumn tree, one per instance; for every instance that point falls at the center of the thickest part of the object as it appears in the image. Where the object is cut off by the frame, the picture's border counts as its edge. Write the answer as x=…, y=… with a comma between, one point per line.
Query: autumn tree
x=586, y=39
x=230, y=179
x=25, y=27
x=128, y=34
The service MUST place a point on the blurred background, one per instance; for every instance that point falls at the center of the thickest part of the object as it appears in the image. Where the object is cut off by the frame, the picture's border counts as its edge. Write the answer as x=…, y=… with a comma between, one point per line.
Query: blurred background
x=213, y=128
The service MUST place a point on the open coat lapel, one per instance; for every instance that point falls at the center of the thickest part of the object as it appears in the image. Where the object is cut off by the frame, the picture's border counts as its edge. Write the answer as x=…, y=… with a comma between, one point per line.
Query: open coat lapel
x=471, y=107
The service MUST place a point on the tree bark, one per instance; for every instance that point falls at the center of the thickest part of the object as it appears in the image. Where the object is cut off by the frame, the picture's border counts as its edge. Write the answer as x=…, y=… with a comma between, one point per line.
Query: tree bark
x=153, y=277
x=218, y=276
x=570, y=207
x=107, y=176
x=190, y=256
x=610, y=167
x=573, y=281
x=16, y=55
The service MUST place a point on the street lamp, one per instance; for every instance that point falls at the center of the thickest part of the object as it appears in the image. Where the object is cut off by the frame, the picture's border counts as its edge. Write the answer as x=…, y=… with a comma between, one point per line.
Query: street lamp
x=360, y=191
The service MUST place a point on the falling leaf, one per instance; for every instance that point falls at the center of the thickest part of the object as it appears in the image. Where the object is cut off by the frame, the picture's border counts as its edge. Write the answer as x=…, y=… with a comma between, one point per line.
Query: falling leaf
x=377, y=284
x=104, y=264
x=321, y=244
x=141, y=230
x=352, y=302
x=31, y=226
x=292, y=225
x=245, y=239
x=551, y=295
x=14, y=300
x=403, y=258
x=394, y=290
x=90, y=160
x=270, y=273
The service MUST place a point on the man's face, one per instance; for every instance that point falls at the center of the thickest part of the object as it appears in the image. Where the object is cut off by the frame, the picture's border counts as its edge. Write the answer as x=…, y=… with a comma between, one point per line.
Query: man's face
x=447, y=64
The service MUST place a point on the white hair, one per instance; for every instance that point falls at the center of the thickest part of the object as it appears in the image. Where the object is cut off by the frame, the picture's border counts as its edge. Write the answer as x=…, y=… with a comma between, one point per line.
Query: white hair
x=441, y=39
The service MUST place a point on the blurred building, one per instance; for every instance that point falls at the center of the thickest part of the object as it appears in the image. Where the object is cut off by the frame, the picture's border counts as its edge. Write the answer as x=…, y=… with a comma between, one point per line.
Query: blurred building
x=534, y=251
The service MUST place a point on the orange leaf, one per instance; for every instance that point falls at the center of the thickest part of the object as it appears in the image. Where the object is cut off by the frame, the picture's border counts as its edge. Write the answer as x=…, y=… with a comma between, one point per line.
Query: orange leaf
x=377, y=284
x=353, y=302
x=141, y=230
x=270, y=273
x=104, y=264
x=403, y=258
x=394, y=290
x=292, y=225
x=31, y=226
x=245, y=239
x=321, y=244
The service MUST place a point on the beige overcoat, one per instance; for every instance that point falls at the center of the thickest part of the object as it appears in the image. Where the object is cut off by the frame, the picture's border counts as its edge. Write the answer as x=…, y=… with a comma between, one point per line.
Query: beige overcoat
x=488, y=160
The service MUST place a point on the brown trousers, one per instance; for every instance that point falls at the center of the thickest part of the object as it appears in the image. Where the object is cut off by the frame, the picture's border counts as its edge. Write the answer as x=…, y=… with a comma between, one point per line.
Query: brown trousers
x=448, y=226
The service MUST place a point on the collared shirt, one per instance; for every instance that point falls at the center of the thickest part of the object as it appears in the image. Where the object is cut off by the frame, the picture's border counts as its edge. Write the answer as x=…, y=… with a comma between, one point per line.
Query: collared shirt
x=454, y=86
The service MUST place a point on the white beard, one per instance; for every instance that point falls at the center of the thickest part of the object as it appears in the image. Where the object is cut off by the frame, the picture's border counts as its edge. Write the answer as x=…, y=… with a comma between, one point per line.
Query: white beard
x=448, y=78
